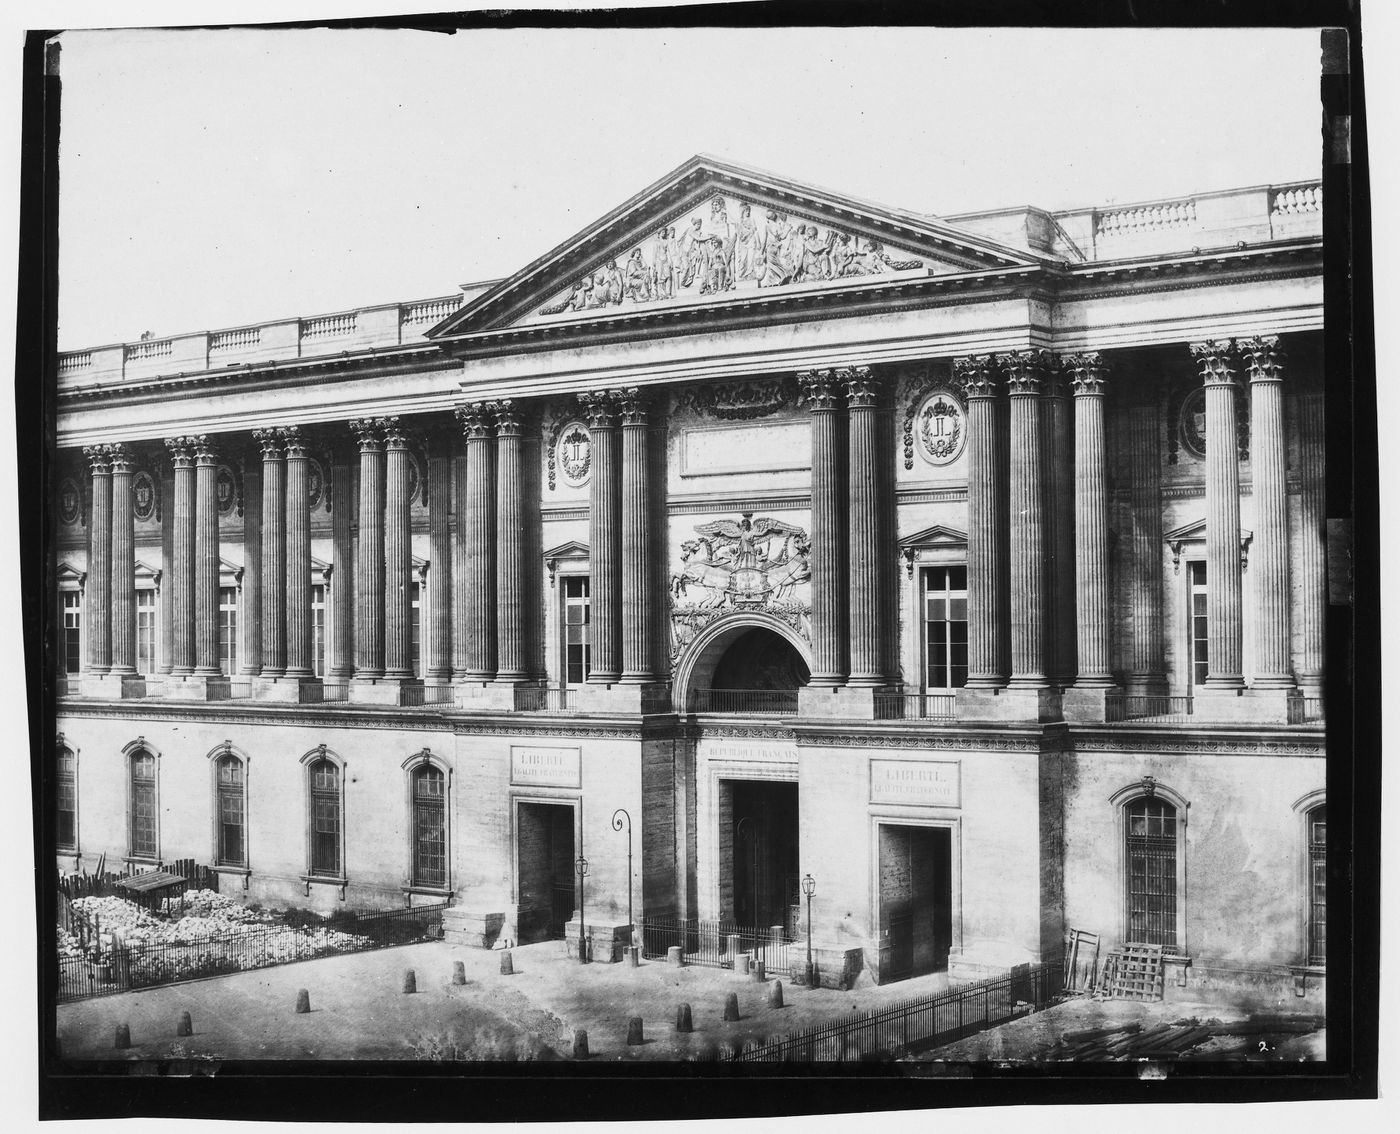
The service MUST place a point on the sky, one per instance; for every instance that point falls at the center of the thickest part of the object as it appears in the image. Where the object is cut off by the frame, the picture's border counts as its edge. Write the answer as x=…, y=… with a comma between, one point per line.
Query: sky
x=213, y=178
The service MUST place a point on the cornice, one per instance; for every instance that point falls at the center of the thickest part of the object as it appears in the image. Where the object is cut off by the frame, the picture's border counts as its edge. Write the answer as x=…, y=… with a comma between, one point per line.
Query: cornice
x=1203, y=740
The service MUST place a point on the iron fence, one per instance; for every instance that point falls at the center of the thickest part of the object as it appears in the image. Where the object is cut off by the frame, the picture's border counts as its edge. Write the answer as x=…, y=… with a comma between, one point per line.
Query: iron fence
x=916, y=706
x=718, y=944
x=1312, y=709
x=545, y=699
x=917, y=1024
x=122, y=967
x=1158, y=708
x=335, y=691
x=754, y=702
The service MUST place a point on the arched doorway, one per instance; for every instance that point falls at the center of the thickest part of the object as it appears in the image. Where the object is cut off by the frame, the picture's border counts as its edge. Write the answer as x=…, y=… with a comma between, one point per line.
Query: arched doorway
x=760, y=659
x=746, y=662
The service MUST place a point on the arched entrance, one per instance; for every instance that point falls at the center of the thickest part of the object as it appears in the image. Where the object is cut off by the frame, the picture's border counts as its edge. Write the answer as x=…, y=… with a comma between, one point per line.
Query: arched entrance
x=743, y=662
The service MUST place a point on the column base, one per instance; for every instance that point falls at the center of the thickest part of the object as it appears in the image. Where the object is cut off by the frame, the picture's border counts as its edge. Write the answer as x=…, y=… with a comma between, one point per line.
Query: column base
x=1087, y=705
x=187, y=687
x=381, y=690
x=606, y=941
x=1247, y=706
x=654, y=697
x=113, y=686
x=479, y=929
x=848, y=702
x=283, y=689
x=1010, y=704
x=486, y=696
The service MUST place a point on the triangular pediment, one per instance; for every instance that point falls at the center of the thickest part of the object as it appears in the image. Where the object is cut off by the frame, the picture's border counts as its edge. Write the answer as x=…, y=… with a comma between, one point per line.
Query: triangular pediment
x=712, y=233
x=570, y=550
x=940, y=535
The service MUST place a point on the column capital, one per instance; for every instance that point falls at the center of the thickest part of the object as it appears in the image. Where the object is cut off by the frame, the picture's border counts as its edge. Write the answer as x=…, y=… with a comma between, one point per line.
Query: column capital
x=395, y=435
x=98, y=459
x=978, y=375
x=599, y=409
x=120, y=457
x=1087, y=373
x=1213, y=357
x=633, y=406
x=476, y=420
x=204, y=453
x=509, y=415
x=863, y=386
x=181, y=451
x=1264, y=357
x=367, y=432
x=821, y=390
x=1027, y=371
x=294, y=441
x=268, y=441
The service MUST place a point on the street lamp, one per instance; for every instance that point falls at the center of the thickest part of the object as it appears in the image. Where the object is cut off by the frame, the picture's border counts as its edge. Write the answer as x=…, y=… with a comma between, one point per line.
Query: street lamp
x=618, y=816
x=809, y=887
x=581, y=868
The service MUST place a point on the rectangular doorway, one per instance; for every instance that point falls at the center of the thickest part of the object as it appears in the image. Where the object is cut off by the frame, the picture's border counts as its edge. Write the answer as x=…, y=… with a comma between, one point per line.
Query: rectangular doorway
x=759, y=821
x=544, y=857
x=916, y=900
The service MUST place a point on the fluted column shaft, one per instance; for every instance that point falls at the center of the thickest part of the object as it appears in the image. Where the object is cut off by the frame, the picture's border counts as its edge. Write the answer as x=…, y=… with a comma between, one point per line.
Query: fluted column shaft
x=250, y=608
x=984, y=475
x=1312, y=576
x=1024, y=379
x=206, y=554
x=182, y=556
x=398, y=556
x=822, y=391
x=867, y=629
x=298, y=612
x=479, y=567
x=438, y=662
x=604, y=540
x=123, y=563
x=341, y=661
x=369, y=558
x=1225, y=626
x=638, y=623
x=167, y=558
x=1146, y=647
x=1057, y=434
x=1273, y=636
x=99, y=588
x=461, y=613
x=1090, y=522
x=274, y=554
x=510, y=542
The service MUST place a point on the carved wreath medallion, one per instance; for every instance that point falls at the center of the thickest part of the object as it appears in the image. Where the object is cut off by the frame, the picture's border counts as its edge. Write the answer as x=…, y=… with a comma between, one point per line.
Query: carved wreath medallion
x=574, y=453
x=940, y=427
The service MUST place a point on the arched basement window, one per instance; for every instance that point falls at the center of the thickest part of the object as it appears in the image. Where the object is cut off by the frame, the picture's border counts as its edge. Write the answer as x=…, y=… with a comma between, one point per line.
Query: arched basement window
x=325, y=818
x=233, y=843
x=429, y=827
x=144, y=841
x=1150, y=857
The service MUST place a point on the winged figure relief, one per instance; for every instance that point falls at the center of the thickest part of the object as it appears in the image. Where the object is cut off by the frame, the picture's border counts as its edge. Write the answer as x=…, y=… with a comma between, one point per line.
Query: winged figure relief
x=744, y=562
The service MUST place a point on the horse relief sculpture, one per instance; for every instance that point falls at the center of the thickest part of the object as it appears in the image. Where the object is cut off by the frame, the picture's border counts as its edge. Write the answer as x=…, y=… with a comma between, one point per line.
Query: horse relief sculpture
x=710, y=252
x=742, y=563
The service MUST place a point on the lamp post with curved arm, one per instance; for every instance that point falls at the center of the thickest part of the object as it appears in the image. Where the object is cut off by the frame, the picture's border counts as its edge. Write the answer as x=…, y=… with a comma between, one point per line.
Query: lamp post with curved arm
x=618, y=816
x=809, y=887
x=581, y=868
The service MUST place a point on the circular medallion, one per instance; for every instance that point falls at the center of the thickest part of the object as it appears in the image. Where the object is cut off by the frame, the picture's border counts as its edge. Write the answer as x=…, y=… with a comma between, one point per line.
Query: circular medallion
x=415, y=478
x=143, y=496
x=315, y=483
x=70, y=499
x=224, y=485
x=941, y=428
x=574, y=453
x=1193, y=423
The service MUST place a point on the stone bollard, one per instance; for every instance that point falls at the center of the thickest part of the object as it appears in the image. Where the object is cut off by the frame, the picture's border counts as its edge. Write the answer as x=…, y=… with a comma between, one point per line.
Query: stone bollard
x=508, y=967
x=633, y=956
x=122, y=1040
x=775, y=994
x=741, y=964
x=459, y=973
x=756, y=969
x=410, y=981
x=183, y=1026
x=683, y=1022
x=634, y=1031
x=731, y=949
x=731, y=1007
x=580, y=1043
x=675, y=956
x=303, y=1001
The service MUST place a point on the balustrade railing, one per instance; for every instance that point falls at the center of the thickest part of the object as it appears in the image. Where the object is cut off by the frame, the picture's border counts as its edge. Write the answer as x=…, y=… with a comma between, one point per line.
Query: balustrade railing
x=429, y=311
x=752, y=702
x=545, y=699
x=242, y=338
x=329, y=326
x=916, y=706
x=1147, y=706
x=1297, y=199
x=72, y=363
x=1149, y=218
x=149, y=348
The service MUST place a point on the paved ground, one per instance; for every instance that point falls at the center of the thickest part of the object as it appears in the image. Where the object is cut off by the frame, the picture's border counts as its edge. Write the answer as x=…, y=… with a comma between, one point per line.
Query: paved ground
x=358, y=1009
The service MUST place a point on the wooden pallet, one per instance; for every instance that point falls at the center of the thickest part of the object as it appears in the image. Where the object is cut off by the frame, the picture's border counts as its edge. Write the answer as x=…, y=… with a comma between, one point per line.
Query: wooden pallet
x=1081, y=961
x=1133, y=972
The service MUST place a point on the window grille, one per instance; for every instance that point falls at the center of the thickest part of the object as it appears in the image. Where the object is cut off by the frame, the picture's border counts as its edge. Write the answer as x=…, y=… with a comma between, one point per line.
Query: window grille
x=325, y=819
x=429, y=827
x=1317, y=885
x=67, y=799
x=945, y=627
x=143, y=806
x=232, y=848
x=1200, y=626
x=1151, y=858
x=576, y=631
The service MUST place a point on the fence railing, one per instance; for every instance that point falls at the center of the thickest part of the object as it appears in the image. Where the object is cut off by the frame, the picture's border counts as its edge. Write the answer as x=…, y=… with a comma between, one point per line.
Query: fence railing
x=335, y=691
x=757, y=702
x=1313, y=708
x=418, y=695
x=717, y=944
x=917, y=1024
x=1147, y=706
x=916, y=706
x=103, y=885
x=545, y=699
x=122, y=967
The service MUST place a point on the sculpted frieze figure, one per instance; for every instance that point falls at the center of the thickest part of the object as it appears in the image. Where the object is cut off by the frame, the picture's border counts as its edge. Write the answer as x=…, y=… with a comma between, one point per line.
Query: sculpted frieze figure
x=743, y=563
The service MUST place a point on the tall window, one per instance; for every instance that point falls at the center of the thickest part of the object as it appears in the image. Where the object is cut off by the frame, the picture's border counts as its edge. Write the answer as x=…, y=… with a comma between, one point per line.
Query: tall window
x=232, y=849
x=1317, y=885
x=228, y=630
x=576, y=663
x=143, y=806
x=1151, y=860
x=945, y=627
x=67, y=800
x=318, y=629
x=1200, y=637
x=325, y=819
x=415, y=622
x=429, y=827
x=72, y=632
x=145, y=631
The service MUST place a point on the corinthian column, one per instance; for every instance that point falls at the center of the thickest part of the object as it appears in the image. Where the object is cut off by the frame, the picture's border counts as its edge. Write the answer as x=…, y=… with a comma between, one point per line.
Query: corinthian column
x=638, y=628
x=986, y=668
x=822, y=392
x=1060, y=572
x=1273, y=638
x=1312, y=577
x=1225, y=628
x=298, y=611
x=438, y=663
x=123, y=563
x=369, y=560
x=1025, y=373
x=274, y=555
x=206, y=557
x=99, y=589
x=341, y=661
x=398, y=555
x=867, y=630
x=604, y=540
x=510, y=542
x=479, y=568
x=182, y=555
x=1088, y=373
